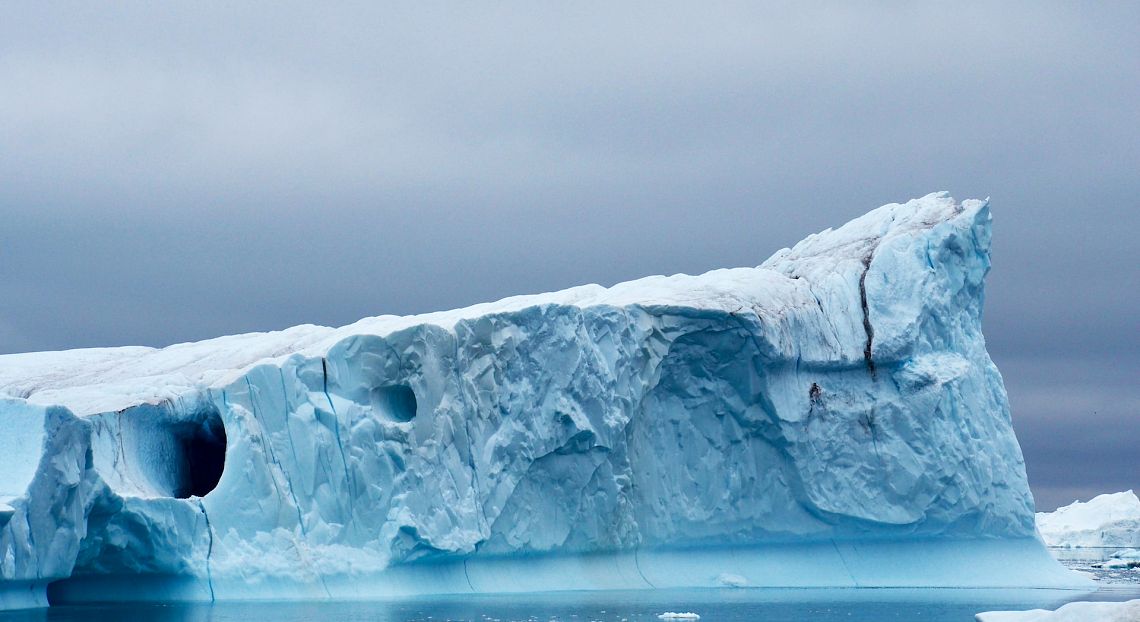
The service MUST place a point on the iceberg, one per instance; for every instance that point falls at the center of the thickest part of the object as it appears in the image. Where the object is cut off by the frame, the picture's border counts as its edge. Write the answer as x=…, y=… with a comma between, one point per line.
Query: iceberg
x=1105, y=521
x=830, y=418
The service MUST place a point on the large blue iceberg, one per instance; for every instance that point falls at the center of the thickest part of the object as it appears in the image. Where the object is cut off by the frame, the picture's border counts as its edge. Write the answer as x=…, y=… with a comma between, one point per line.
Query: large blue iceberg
x=829, y=418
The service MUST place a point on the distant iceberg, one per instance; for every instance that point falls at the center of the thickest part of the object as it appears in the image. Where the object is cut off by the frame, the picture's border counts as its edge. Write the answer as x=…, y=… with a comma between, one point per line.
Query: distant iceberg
x=828, y=419
x=1111, y=520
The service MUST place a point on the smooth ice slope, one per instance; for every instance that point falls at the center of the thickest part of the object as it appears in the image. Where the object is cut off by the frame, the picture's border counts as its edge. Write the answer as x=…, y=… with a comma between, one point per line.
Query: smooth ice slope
x=829, y=418
x=1111, y=520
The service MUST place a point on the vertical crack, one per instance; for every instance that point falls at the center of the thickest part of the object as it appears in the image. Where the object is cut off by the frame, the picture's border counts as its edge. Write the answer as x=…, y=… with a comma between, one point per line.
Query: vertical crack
x=870, y=425
x=336, y=429
x=843, y=560
x=867, y=328
x=637, y=565
x=272, y=456
x=119, y=433
x=467, y=576
x=209, y=549
x=285, y=415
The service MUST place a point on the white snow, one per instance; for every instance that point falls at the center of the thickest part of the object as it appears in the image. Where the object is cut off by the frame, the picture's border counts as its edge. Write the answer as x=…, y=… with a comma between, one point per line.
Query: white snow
x=1109, y=520
x=1073, y=612
x=829, y=418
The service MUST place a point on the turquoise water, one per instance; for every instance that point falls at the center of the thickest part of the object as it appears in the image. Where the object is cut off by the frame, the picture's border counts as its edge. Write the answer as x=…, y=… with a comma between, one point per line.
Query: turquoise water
x=712, y=605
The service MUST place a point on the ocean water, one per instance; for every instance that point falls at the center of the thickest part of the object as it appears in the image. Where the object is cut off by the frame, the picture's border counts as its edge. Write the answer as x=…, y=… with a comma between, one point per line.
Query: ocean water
x=727, y=605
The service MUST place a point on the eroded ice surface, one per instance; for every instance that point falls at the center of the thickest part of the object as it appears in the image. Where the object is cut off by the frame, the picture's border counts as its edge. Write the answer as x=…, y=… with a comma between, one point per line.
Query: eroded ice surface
x=1110, y=520
x=829, y=418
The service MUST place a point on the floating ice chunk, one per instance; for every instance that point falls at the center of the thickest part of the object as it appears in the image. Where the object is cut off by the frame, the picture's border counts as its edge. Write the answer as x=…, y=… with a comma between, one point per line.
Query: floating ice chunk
x=1073, y=612
x=670, y=615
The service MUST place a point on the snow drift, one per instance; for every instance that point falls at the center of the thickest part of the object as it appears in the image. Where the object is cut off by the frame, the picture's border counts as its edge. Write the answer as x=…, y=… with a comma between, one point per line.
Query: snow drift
x=829, y=418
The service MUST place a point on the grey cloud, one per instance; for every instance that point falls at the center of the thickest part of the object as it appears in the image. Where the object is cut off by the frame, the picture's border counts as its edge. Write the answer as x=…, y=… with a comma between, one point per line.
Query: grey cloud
x=181, y=172
x=1076, y=419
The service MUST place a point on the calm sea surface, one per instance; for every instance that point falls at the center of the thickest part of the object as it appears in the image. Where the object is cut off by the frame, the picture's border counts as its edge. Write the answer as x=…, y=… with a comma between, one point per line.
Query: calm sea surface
x=751, y=605
x=712, y=605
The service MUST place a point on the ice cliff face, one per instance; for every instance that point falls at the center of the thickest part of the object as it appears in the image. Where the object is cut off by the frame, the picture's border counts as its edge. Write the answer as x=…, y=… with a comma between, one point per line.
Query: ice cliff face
x=1111, y=520
x=804, y=422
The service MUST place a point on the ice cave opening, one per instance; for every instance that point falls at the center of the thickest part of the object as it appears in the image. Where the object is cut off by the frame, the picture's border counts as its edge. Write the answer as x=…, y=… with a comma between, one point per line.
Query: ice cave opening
x=203, y=447
x=182, y=458
x=169, y=449
x=398, y=401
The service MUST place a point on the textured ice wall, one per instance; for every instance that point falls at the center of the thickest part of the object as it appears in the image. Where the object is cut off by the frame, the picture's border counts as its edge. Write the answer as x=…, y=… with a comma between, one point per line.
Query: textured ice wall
x=1110, y=520
x=827, y=418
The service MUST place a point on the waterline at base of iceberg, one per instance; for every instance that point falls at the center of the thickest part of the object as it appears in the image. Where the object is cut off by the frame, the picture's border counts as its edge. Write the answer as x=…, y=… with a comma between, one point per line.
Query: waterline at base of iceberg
x=972, y=564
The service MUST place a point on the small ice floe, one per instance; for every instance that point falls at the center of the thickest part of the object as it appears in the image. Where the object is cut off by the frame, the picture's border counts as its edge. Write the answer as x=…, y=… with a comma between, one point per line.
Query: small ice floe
x=1128, y=558
x=728, y=579
x=1073, y=612
x=672, y=615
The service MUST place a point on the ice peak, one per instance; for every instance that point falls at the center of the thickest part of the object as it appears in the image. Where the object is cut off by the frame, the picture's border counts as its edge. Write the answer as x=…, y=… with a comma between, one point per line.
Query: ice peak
x=860, y=236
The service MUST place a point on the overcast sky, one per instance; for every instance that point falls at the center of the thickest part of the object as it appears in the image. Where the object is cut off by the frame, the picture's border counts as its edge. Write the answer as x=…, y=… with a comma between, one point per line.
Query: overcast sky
x=172, y=172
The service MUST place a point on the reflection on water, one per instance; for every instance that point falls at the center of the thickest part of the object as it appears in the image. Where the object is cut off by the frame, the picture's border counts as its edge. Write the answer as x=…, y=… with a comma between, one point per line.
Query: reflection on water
x=713, y=606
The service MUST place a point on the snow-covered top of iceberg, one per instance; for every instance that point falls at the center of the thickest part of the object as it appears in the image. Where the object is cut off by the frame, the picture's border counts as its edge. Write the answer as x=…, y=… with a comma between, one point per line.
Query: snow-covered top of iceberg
x=98, y=380
x=1091, y=515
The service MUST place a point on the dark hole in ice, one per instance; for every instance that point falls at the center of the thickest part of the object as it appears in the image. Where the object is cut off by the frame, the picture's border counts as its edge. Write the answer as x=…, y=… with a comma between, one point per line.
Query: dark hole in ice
x=203, y=446
x=398, y=401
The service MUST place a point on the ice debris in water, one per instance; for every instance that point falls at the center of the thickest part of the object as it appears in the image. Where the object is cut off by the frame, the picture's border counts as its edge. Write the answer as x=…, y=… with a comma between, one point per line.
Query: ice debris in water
x=1073, y=612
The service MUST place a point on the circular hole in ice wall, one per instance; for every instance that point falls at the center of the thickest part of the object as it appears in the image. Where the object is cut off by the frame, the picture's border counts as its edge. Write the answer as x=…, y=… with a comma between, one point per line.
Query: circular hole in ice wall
x=204, y=452
x=397, y=401
x=176, y=454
